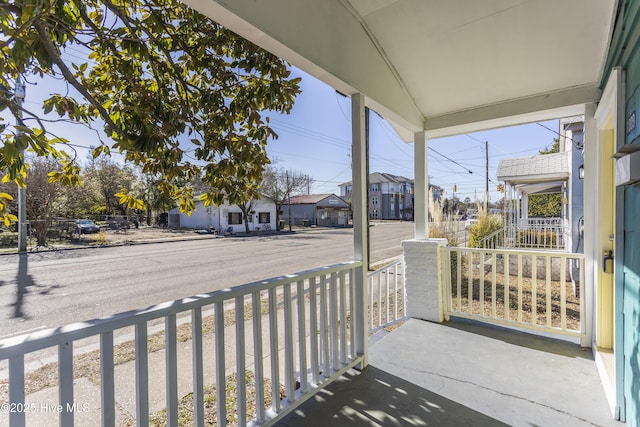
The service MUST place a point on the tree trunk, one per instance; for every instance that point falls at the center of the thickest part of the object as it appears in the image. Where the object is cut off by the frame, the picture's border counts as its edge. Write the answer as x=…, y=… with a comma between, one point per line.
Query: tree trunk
x=245, y=217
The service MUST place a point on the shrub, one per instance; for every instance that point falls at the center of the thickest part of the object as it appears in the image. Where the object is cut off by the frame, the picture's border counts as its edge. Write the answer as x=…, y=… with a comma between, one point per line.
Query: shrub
x=485, y=225
x=8, y=239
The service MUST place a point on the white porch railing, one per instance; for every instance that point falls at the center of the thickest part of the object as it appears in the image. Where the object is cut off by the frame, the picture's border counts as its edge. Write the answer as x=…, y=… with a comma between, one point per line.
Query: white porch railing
x=538, y=233
x=529, y=289
x=495, y=240
x=303, y=320
x=387, y=295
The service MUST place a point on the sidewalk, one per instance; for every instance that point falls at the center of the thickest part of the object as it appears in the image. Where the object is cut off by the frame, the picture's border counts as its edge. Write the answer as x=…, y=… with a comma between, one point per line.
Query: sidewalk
x=138, y=236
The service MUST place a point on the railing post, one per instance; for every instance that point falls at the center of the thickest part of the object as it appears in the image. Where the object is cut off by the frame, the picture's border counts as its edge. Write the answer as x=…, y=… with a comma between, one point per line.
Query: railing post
x=423, y=277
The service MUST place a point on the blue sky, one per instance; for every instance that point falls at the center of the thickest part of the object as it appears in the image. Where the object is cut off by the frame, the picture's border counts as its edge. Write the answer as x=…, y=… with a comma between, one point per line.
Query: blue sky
x=315, y=140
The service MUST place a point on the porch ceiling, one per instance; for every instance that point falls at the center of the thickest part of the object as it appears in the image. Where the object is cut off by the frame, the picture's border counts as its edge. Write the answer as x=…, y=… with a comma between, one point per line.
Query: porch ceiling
x=541, y=188
x=447, y=67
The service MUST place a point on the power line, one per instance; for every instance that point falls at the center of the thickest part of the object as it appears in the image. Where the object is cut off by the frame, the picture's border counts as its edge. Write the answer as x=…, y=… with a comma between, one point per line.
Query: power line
x=450, y=159
x=576, y=144
x=474, y=138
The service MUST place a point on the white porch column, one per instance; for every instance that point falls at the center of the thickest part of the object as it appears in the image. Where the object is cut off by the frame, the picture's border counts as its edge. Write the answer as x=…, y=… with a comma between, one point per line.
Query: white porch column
x=421, y=187
x=518, y=203
x=360, y=162
x=422, y=256
x=525, y=205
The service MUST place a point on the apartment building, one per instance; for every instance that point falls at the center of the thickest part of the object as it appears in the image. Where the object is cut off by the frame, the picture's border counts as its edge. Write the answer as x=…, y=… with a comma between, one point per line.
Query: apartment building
x=390, y=196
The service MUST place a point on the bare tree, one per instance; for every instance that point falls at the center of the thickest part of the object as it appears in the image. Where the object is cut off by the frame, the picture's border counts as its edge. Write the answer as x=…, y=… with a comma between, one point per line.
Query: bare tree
x=107, y=178
x=279, y=185
x=42, y=197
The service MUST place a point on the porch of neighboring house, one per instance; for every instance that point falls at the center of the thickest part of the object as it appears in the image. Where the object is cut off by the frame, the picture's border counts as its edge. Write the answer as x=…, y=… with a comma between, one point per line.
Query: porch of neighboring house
x=531, y=176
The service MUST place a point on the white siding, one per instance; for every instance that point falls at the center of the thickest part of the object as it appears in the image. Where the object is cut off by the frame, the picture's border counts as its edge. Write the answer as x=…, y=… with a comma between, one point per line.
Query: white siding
x=217, y=217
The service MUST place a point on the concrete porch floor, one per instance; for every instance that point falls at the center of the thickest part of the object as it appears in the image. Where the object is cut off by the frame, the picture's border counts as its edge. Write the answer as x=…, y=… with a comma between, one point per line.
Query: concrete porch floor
x=463, y=374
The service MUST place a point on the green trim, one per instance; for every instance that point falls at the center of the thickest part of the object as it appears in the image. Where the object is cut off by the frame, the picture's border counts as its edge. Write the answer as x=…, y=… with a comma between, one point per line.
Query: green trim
x=626, y=34
x=618, y=328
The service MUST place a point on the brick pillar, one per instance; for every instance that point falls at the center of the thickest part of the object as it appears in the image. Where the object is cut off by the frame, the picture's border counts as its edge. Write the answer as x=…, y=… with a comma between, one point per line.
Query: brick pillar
x=423, y=279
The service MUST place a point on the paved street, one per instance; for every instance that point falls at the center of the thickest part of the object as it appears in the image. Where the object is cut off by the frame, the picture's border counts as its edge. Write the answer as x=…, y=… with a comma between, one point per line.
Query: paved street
x=51, y=289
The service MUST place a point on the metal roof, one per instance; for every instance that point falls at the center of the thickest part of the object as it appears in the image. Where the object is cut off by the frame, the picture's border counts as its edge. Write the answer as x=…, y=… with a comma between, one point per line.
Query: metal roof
x=537, y=169
x=312, y=199
x=380, y=177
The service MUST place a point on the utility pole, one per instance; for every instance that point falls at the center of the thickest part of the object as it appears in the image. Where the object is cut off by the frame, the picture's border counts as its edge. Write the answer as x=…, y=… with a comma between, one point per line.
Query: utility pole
x=22, y=191
x=486, y=181
x=289, y=198
x=454, y=211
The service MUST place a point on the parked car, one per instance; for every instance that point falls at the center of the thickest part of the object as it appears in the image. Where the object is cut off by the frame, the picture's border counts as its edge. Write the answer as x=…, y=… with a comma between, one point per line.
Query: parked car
x=86, y=226
x=470, y=221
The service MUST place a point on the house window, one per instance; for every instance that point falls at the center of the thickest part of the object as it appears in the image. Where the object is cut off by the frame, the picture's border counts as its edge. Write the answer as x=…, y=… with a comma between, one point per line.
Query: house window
x=264, y=217
x=374, y=188
x=374, y=200
x=234, y=218
x=374, y=213
x=348, y=189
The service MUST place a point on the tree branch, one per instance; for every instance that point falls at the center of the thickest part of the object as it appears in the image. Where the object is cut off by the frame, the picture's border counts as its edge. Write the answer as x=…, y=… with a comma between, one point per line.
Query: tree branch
x=176, y=72
x=55, y=57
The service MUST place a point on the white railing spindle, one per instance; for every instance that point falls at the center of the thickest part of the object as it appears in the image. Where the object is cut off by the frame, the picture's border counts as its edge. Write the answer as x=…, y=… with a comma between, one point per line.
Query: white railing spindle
x=343, y=317
x=289, y=365
x=198, y=367
x=256, y=308
x=142, y=375
x=302, y=336
x=221, y=379
x=240, y=362
x=171, y=357
x=333, y=321
x=65, y=381
x=16, y=390
x=313, y=332
x=324, y=333
x=353, y=308
x=107, y=380
x=275, y=363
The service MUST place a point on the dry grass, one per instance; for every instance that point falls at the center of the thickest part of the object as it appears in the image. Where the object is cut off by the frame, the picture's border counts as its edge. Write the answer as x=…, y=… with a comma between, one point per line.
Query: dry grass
x=185, y=404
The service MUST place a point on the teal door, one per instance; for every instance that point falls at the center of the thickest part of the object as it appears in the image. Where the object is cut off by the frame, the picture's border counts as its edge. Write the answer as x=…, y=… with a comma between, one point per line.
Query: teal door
x=631, y=306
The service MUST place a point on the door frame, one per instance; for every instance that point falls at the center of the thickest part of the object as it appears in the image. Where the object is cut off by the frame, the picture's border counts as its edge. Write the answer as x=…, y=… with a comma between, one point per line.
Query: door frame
x=609, y=115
